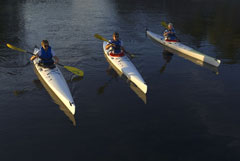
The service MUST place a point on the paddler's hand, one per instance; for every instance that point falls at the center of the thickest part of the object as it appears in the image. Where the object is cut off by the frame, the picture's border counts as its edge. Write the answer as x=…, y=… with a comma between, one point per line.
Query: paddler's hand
x=113, y=45
x=56, y=60
x=32, y=58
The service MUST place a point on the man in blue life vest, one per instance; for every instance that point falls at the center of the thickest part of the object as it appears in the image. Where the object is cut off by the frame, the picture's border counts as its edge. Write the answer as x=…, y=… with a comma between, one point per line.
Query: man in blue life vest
x=169, y=33
x=115, y=46
x=46, y=54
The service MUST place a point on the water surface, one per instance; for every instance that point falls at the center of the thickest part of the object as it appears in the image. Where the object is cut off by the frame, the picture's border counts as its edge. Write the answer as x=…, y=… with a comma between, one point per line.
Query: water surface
x=191, y=113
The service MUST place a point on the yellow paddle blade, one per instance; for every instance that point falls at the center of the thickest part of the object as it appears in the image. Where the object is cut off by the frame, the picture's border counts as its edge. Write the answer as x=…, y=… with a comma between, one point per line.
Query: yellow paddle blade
x=100, y=37
x=15, y=48
x=74, y=70
x=164, y=24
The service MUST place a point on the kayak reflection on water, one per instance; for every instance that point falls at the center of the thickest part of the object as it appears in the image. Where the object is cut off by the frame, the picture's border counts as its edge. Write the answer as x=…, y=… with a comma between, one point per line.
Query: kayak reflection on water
x=115, y=74
x=168, y=57
x=195, y=61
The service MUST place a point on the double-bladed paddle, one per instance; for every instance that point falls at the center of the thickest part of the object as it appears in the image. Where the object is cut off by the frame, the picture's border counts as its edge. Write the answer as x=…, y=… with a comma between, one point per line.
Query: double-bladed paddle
x=74, y=70
x=104, y=39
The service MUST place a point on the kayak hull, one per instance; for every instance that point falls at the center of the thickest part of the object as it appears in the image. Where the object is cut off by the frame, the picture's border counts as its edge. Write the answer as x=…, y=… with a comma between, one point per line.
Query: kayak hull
x=125, y=66
x=184, y=49
x=56, y=82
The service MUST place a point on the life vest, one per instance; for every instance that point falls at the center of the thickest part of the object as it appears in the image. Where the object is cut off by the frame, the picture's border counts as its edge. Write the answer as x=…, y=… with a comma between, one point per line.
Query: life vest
x=46, y=56
x=116, y=49
x=170, y=36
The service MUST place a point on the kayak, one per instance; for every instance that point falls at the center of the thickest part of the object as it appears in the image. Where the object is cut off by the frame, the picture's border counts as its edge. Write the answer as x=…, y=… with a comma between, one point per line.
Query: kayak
x=184, y=49
x=56, y=82
x=125, y=66
x=56, y=100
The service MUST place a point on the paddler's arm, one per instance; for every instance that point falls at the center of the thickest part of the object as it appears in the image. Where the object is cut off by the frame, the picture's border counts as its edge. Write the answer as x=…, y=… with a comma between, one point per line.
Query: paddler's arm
x=127, y=53
x=166, y=33
x=56, y=60
x=109, y=45
x=122, y=48
x=34, y=56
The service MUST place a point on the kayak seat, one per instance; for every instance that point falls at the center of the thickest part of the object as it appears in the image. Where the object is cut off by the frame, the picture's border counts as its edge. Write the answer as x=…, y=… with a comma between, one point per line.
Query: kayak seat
x=52, y=66
x=171, y=40
x=116, y=54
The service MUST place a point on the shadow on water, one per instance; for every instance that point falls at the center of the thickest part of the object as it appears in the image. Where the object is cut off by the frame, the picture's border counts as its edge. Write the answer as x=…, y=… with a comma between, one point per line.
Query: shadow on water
x=55, y=98
x=114, y=73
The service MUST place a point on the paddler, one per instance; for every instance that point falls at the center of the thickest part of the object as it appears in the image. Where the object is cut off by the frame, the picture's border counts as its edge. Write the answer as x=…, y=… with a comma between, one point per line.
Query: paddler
x=46, y=54
x=169, y=33
x=115, y=46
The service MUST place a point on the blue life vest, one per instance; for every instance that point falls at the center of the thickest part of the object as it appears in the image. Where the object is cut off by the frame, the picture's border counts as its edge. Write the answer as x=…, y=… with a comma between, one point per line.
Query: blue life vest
x=117, y=43
x=171, y=36
x=46, y=56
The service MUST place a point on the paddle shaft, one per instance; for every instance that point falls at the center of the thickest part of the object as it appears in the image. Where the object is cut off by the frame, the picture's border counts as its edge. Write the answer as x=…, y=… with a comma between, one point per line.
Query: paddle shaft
x=69, y=68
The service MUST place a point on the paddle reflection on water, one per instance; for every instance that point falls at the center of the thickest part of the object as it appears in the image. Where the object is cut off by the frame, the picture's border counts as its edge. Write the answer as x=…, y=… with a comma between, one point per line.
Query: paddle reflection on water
x=56, y=99
x=75, y=78
x=19, y=92
x=168, y=57
x=114, y=73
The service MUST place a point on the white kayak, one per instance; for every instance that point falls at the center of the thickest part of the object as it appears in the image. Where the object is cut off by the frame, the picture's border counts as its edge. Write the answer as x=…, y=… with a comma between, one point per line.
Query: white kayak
x=125, y=66
x=184, y=49
x=56, y=82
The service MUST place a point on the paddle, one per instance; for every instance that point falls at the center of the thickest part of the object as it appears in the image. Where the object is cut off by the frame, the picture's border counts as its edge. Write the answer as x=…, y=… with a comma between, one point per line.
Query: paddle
x=69, y=68
x=103, y=39
x=164, y=24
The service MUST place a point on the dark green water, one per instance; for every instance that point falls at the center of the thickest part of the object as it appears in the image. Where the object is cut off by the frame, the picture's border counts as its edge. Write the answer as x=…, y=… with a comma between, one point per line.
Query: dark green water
x=191, y=113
